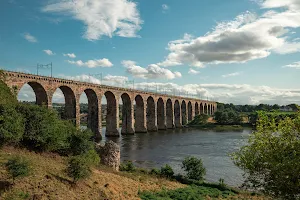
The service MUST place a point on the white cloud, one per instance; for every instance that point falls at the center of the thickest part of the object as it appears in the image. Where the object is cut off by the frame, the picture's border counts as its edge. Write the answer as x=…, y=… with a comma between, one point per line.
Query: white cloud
x=49, y=52
x=231, y=74
x=295, y=65
x=70, y=55
x=30, y=38
x=165, y=7
x=153, y=71
x=101, y=17
x=92, y=63
x=247, y=37
x=115, y=80
x=192, y=71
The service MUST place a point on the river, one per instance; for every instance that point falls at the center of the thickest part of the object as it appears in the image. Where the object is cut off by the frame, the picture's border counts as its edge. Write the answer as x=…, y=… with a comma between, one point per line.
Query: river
x=172, y=146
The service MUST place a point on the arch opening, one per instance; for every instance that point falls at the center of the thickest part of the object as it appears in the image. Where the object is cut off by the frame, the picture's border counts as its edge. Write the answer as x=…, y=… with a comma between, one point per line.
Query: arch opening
x=161, y=121
x=169, y=114
x=126, y=115
x=205, y=109
x=183, y=113
x=139, y=115
x=201, y=108
x=196, y=109
x=177, y=115
x=151, y=115
x=33, y=93
x=111, y=114
x=190, y=112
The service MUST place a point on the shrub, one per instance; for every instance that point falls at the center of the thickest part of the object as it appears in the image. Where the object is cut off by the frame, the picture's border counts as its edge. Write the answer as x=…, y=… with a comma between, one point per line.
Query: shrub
x=167, y=171
x=271, y=158
x=92, y=158
x=11, y=125
x=44, y=131
x=17, y=167
x=127, y=166
x=199, y=119
x=6, y=97
x=194, y=168
x=78, y=168
x=155, y=172
x=80, y=142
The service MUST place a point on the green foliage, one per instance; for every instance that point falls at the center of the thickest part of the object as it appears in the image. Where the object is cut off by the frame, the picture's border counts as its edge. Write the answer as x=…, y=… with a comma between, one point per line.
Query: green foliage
x=127, y=166
x=194, y=168
x=6, y=97
x=80, y=142
x=155, y=172
x=271, y=159
x=44, y=131
x=78, y=168
x=166, y=171
x=228, y=117
x=11, y=125
x=92, y=158
x=17, y=167
x=199, y=119
x=190, y=192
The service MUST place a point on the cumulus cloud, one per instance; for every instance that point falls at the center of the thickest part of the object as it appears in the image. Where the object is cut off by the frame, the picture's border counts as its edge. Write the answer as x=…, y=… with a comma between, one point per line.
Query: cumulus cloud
x=295, y=65
x=247, y=37
x=70, y=55
x=100, y=17
x=30, y=38
x=192, y=71
x=49, y=52
x=92, y=63
x=231, y=74
x=153, y=71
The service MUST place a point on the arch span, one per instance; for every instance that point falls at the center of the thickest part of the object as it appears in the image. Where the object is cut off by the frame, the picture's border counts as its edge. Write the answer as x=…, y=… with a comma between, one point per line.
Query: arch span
x=177, y=114
x=169, y=113
x=190, y=111
x=127, y=127
x=161, y=119
x=70, y=104
x=41, y=97
x=112, y=115
x=183, y=113
x=139, y=115
x=196, y=109
x=205, y=109
x=201, y=108
x=151, y=115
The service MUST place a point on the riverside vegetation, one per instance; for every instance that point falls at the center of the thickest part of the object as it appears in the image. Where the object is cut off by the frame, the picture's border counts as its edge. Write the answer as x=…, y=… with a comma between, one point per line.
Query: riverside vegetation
x=44, y=157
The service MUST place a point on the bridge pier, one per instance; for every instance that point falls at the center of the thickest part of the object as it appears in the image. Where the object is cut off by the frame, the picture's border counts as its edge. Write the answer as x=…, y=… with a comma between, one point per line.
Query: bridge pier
x=170, y=115
x=161, y=115
x=151, y=115
x=140, y=115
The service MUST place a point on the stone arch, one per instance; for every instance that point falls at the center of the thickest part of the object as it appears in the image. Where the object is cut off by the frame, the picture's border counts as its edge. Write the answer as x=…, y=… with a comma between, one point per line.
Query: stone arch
x=183, y=113
x=190, y=111
x=151, y=115
x=161, y=121
x=126, y=115
x=201, y=108
x=70, y=103
x=196, y=109
x=169, y=114
x=93, y=112
x=139, y=115
x=112, y=115
x=41, y=97
x=177, y=114
x=205, y=109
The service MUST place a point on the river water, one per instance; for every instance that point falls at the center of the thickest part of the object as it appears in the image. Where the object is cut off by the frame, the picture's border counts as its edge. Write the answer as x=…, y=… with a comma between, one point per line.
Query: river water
x=153, y=150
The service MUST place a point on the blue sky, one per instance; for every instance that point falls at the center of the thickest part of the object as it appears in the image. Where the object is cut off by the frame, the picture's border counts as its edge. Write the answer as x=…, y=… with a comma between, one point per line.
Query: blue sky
x=240, y=51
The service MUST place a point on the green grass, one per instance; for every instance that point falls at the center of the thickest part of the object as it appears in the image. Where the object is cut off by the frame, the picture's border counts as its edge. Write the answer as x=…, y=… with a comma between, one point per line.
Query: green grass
x=190, y=192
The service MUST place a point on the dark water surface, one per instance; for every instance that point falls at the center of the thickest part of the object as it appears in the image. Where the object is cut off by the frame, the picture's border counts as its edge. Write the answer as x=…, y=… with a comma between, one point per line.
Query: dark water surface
x=151, y=150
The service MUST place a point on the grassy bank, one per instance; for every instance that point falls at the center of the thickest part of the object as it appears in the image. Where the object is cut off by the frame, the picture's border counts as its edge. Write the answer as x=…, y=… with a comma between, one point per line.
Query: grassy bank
x=220, y=128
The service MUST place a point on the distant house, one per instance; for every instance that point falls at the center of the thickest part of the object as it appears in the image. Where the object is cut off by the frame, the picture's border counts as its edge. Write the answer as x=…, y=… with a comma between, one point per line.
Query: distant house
x=285, y=109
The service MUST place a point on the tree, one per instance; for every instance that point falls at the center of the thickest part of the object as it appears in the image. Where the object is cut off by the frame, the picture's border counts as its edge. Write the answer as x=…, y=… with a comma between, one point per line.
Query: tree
x=78, y=168
x=271, y=159
x=17, y=167
x=194, y=168
x=167, y=171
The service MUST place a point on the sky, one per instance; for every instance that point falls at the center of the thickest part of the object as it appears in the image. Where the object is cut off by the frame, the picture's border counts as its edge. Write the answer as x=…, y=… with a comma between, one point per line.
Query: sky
x=233, y=51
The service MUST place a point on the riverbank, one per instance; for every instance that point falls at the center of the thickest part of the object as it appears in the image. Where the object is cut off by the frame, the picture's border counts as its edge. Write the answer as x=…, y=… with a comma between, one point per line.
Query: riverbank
x=48, y=181
x=221, y=128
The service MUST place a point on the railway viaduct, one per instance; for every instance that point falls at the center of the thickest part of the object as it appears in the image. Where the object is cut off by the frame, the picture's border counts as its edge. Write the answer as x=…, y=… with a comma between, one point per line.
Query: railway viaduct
x=151, y=112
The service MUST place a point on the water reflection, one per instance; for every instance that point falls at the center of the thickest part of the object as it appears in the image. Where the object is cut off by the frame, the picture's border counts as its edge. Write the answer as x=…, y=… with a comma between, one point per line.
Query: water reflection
x=151, y=150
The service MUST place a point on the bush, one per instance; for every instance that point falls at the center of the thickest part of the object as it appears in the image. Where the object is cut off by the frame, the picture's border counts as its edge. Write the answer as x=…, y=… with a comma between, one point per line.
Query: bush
x=127, y=166
x=78, y=168
x=92, y=158
x=271, y=158
x=6, y=97
x=167, y=171
x=194, y=168
x=200, y=119
x=11, y=125
x=44, y=131
x=17, y=167
x=155, y=172
x=80, y=142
